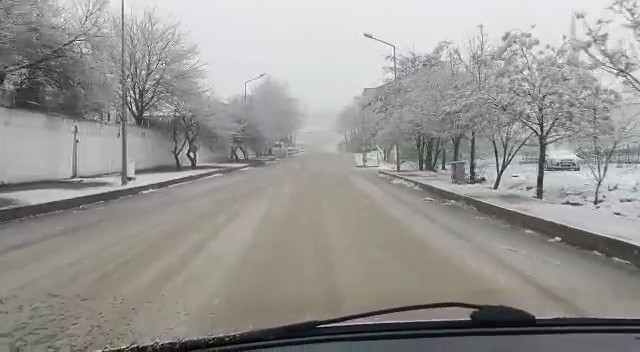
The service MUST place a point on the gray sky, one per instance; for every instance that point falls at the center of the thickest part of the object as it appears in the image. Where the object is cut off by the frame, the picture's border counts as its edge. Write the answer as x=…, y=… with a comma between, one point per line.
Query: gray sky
x=318, y=48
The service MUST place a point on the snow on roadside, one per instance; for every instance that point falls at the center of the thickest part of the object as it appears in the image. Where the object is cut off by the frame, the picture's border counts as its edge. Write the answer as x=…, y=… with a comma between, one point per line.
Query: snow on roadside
x=618, y=216
x=620, y=193
x=404, y=166
x=223, y=165
x=109, y=183
x=373, y=159
x=406, y=183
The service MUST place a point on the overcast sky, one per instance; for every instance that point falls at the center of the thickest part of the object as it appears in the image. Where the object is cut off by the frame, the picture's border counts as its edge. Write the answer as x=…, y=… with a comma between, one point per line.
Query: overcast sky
x=318, y=48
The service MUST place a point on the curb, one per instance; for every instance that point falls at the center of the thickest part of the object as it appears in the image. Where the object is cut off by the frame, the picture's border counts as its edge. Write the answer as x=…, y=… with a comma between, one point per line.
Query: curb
x=20, y=212
x=579, y=238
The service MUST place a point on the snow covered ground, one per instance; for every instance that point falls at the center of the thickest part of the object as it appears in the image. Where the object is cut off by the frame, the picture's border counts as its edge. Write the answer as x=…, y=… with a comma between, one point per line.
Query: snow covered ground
x=620, y=192
x=373, y=158
x=404, y=166
x=86, y=186
x=568, y=196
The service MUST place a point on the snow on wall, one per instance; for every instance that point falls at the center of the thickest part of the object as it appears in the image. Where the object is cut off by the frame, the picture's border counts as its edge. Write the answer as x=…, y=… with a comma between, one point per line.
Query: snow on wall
x=35, y=146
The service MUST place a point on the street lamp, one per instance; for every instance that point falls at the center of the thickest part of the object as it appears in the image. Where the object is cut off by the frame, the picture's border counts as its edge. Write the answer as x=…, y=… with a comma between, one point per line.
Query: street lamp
x=123, y=117
x=395, y=81
x=245, y=85
x=395, y=72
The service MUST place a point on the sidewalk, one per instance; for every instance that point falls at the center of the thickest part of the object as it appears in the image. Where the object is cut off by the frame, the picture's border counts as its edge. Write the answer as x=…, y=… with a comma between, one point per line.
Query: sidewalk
x=18, y=195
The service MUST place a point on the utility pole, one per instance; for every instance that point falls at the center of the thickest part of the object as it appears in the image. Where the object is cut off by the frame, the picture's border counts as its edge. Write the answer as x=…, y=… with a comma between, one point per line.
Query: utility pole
x=74, y=164
x=395, y=82
x=364, y=138
x=247, y=82
x=123, y=113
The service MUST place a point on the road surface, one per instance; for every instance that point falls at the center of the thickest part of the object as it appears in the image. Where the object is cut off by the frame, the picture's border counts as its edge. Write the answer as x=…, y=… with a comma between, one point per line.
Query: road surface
x=310, y=237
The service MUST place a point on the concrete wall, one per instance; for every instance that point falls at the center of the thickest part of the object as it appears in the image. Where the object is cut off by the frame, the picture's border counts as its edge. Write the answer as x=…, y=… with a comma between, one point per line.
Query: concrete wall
x=35, y=147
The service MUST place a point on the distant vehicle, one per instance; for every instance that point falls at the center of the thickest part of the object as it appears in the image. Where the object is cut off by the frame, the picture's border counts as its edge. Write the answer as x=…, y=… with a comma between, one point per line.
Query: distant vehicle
x=562, y=165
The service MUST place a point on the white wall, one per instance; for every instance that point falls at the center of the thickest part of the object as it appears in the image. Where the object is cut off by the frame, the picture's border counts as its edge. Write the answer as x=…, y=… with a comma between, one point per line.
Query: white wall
x=36, y=147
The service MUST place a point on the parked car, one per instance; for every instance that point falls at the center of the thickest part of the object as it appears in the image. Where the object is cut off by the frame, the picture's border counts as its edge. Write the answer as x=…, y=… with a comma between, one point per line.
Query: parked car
x=562, y=165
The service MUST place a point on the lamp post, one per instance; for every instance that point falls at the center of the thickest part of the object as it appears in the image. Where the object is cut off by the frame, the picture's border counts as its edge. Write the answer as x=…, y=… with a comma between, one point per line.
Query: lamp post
x=395, y=81
x=248, y=81
x=123, y=117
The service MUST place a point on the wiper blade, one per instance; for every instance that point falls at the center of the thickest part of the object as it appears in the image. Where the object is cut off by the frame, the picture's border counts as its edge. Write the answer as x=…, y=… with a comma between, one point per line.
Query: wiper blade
x=483, y=315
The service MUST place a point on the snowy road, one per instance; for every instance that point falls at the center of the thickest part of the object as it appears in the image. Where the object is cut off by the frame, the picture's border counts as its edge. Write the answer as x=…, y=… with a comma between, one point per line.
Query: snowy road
x=310, y=237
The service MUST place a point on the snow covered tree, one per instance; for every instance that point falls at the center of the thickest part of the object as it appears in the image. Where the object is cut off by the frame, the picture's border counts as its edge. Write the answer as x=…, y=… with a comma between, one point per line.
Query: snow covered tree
x=348, y=126
x=477, y=65
x=612, y=55
x=193, y=120
x=605, y=127
x=55, y=55
x=376, y=119
x=389, y=125
x=413, y=107
x=455, y=93
x=270, y=115
x=502, y=126
x=546, y=86
x=35, y=33
x=274, y=112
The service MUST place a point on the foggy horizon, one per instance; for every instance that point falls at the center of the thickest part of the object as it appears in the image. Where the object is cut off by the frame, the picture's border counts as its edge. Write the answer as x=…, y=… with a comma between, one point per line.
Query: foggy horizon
x=318, y=47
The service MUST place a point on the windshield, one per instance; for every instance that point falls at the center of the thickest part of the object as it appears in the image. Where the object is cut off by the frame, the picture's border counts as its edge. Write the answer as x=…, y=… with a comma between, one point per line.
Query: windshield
x=172, y=169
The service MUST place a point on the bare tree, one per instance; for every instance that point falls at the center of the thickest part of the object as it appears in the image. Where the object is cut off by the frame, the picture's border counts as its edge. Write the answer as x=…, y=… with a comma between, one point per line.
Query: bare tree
x=177, y=136
x=500, y=123
x=619, y=59
x=607, y=125
x=160, y=64
x=507, y=136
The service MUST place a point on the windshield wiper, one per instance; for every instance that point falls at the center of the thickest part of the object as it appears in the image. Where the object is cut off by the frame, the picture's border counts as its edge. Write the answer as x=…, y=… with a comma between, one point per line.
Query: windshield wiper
x=483, y=315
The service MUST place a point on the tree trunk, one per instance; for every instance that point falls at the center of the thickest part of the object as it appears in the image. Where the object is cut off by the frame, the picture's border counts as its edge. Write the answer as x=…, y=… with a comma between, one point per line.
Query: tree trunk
x=192, y=158
x=434, y=162
x=176, y=157
x=443, y=166
x=496, y=159
x=420, y=148
x=138, y=118
x=496, y=184
x=244, y=153
x=472, y=158
x=596, y=197
x=456, y=147
x=397, y=158
x=541, y=161
x=234, y=154
x=429, y=155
